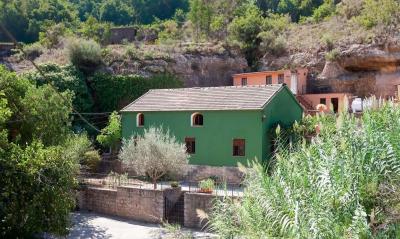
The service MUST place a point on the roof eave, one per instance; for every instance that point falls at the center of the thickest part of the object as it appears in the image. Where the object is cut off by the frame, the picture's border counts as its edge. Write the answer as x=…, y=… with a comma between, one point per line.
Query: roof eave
x=183, y=110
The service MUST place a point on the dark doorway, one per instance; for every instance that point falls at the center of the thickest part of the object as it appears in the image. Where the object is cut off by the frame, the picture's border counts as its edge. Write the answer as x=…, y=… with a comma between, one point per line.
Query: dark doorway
x=174, y=210
x=335, y=104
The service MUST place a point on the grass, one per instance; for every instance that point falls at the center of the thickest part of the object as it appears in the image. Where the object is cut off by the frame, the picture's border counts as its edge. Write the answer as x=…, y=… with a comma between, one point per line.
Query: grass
x=342, y=184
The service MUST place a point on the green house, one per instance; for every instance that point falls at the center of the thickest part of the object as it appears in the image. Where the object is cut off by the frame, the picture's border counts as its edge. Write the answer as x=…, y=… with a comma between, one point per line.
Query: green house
x=220, y=126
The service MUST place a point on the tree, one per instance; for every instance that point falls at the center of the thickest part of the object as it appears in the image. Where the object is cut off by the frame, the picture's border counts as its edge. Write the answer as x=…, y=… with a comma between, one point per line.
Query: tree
x=26, y=18
x=110, y=136
x=38, y=112
x=325, y=10
x=37, y=192
x=200, y=15
x=155, y=153
x=95, y=30
x=244, y=29
x=39, y=158
x=116, y=11
x=379, y=12
x=84, y=54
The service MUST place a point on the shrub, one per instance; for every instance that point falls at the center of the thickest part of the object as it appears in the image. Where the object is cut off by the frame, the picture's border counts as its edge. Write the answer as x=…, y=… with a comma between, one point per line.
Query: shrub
x=34, y=50
x=170, y=31
x=375, y=12
x=110, y=136
x=343, y=184
x=39, y=158
x=155, y=153
x=323, y=11
x=84, y=54
x=131, y=52
x=65, y=78
x=350, y=8
x=207, y=185
x=91, y=160
x=37, y=190
x=115, y=91
x=271, y=43
x=51, y=37
x=332, y=55
x=115, y=179
x=328, y=41
x=174, y=184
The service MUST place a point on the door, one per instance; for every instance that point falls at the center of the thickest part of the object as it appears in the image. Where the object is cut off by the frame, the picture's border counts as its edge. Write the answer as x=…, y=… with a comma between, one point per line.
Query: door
x=335, y=104
x=293, y=83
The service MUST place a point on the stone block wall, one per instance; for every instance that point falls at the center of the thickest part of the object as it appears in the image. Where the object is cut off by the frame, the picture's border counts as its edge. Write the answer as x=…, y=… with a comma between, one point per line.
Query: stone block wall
x=140, y=204
x=118, y=34
x=193, y=202
x=145, y=205
x=101, y=200
x=230, y=175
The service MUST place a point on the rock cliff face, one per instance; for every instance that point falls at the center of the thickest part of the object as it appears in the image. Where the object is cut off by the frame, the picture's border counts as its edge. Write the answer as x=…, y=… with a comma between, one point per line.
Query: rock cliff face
x=367, y=69
x=199, y=68
x=196, y=64
x=360, y=69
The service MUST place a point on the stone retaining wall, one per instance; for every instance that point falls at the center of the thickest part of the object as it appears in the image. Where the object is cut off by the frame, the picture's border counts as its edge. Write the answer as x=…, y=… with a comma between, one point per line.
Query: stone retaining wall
x=227, y=174
x=194, y=202
x=145, y=205
x=199, y=201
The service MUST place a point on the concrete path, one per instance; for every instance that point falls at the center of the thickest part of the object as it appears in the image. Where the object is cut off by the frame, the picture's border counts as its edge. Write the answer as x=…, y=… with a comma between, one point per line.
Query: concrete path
x=92, y=225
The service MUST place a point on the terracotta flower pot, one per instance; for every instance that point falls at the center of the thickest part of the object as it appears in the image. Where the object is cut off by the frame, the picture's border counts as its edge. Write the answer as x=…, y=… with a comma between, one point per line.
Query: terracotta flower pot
x=206, y=190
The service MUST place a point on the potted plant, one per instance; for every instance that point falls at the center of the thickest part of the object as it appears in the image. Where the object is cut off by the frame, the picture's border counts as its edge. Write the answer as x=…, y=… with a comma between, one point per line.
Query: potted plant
x=207, y=185
x=174, y=184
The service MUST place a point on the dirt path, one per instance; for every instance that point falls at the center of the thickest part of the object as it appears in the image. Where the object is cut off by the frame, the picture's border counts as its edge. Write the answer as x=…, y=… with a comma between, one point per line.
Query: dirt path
x=92, y=225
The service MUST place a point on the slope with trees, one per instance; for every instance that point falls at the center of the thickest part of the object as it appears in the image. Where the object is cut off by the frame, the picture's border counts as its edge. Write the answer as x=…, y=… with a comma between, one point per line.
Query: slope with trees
x=39, y=158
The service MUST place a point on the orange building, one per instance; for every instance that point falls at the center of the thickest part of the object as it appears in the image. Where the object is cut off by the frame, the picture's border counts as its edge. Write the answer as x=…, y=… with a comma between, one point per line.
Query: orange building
x=296, y=80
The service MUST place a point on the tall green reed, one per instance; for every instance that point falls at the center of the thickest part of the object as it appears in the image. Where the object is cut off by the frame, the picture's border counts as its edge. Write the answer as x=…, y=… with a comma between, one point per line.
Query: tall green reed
x=342, y=184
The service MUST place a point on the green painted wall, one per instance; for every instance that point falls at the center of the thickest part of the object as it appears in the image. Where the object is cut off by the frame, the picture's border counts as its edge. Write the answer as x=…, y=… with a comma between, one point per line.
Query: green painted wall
x=284, y=110
x=214, y=139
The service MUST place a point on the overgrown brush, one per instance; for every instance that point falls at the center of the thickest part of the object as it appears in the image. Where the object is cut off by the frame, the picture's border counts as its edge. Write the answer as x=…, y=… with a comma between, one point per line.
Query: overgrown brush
x=343, y=184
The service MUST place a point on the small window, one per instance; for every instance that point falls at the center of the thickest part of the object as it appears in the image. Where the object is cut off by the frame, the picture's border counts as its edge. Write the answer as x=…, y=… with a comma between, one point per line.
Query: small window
x=190, y=145
x=197, y=119
x=140, y=120
x=268, y=80
x=238, y=147
x=322, y=101
x=281, y=79
x=244, y=81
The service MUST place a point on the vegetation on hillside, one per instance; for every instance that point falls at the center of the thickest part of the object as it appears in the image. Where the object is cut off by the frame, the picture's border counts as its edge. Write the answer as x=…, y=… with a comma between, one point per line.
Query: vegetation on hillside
x=256, y=27
x=39, y=157
x=343, y=184
x=100, y=92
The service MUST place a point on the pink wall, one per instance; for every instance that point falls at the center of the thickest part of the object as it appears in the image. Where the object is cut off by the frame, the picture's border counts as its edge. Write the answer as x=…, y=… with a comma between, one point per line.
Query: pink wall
x=259, y=78
x=314, y=99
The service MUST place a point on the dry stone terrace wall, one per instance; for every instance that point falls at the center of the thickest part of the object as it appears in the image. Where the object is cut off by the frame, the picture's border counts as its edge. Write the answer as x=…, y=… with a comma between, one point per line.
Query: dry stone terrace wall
x=195, y=202
x=145, y=205
x=230, y=175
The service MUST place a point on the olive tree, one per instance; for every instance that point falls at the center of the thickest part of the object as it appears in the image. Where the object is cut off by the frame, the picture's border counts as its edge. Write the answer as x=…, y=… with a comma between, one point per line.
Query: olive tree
x=155, y=154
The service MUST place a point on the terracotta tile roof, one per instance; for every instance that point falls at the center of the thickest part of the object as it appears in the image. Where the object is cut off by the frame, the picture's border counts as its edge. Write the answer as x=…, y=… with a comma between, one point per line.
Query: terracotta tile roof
x=205, y=98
